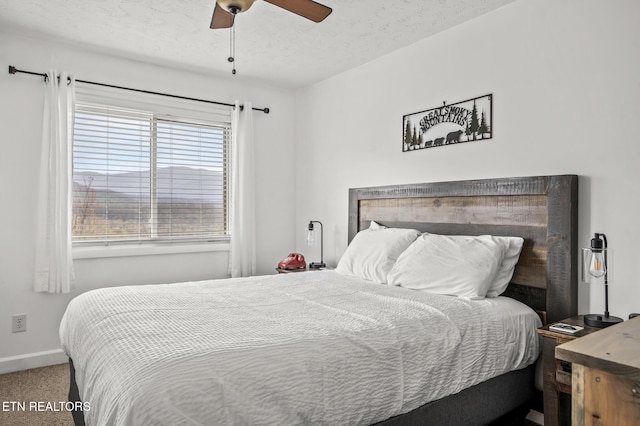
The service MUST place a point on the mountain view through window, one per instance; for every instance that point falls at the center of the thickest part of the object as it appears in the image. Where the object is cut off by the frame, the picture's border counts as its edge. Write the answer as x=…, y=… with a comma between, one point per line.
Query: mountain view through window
x=138, y=176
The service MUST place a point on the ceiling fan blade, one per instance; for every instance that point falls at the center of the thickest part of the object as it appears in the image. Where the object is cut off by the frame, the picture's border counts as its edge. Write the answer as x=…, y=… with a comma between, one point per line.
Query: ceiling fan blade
x=306, y=8
x=221, y=18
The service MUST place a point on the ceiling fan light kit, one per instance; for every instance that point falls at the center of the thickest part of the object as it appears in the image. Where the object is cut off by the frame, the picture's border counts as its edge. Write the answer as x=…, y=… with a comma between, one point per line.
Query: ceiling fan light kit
x=226, y=10
x=235, y=6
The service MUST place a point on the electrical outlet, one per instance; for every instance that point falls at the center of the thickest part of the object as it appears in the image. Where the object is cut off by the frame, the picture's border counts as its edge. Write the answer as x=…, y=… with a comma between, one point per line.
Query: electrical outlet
x=18, y=323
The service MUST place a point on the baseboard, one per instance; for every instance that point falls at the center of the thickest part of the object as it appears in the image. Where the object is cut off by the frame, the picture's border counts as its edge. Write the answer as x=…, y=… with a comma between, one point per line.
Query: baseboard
x=32, y=360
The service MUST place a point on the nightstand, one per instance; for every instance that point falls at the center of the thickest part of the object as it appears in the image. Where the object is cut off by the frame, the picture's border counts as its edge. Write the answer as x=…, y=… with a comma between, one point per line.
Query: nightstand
x=289, y=271
x=556, y=374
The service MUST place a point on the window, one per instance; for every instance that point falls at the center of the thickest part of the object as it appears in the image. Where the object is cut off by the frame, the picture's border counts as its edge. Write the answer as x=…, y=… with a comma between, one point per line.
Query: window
x=146, y=177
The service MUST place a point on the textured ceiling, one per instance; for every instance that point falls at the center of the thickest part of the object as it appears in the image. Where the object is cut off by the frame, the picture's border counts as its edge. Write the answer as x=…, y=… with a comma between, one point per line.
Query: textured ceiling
x=272, y=45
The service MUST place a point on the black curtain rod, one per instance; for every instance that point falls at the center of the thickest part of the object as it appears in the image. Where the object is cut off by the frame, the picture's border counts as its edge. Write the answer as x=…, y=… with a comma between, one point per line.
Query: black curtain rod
x=14, y=70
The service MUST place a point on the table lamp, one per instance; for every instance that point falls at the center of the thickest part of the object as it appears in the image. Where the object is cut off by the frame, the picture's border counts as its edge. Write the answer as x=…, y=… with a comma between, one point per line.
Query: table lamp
x=594, y=264
x=311, y=238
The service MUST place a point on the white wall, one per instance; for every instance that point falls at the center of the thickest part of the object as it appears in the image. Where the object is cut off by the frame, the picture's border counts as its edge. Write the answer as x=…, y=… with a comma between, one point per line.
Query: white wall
x=565, y=76
x=21, y=103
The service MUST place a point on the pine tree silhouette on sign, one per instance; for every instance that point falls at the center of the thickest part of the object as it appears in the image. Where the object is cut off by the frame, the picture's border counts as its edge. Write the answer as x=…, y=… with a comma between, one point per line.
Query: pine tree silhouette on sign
x=407, y=135
x=474, y=126
x=414, y=139
x=484, y=128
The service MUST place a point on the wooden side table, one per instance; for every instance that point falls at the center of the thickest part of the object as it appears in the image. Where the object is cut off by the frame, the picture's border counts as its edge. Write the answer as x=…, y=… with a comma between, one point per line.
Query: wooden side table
x=289, y=271
x=556, y=374
x=606, y=375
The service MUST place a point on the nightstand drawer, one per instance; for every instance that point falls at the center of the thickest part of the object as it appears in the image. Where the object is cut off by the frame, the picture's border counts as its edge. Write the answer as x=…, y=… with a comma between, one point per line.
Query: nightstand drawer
x=563, y=373
x=563, y=370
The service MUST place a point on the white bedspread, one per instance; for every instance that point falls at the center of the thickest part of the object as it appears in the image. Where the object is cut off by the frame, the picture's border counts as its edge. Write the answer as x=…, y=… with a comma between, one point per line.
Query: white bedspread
x=313, y=347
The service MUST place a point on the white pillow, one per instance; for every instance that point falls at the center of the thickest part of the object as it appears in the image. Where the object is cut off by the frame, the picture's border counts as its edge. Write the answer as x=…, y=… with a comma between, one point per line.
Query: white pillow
x=512, y=248
x=457, y=265
x=373, y=252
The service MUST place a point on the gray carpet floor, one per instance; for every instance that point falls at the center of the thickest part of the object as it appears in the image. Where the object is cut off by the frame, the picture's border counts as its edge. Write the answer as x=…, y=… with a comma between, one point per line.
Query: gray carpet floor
x=33, y=390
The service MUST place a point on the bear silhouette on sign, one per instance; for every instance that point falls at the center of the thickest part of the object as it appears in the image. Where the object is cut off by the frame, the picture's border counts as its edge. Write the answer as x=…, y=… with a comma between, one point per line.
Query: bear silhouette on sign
x=454, y=137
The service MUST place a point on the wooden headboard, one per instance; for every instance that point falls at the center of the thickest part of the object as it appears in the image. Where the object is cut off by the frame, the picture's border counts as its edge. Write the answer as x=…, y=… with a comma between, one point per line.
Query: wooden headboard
x=541, y=209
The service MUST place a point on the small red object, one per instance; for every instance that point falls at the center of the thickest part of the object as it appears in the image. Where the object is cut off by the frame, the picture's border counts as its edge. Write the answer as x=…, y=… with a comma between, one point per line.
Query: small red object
x=293, y=261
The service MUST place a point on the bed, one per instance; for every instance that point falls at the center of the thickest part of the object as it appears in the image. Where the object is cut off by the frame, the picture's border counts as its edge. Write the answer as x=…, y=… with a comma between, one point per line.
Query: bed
x=321, y=347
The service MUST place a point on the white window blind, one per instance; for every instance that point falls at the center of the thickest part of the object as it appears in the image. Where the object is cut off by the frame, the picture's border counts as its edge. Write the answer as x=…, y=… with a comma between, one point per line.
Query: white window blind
x=141, y=176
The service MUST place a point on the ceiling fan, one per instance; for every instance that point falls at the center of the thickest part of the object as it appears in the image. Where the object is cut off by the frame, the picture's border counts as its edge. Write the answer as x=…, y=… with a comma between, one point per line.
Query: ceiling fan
x=226, y=10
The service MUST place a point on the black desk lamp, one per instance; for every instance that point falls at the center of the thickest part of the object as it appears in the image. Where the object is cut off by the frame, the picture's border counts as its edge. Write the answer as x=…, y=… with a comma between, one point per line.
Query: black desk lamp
x=594, y=264
x=311, y=239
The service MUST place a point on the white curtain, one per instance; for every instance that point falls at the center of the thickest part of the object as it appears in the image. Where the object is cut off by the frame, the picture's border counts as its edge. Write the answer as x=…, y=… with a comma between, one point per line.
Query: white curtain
x=242, y=258
x=54, y=262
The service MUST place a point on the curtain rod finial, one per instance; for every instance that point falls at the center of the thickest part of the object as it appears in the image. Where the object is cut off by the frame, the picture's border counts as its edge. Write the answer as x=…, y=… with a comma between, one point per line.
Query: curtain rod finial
x=12, y=69
x=265, y=110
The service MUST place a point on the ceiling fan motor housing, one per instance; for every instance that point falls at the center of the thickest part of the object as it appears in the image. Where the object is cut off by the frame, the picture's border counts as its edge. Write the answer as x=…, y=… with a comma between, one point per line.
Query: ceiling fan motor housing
x=235, y=6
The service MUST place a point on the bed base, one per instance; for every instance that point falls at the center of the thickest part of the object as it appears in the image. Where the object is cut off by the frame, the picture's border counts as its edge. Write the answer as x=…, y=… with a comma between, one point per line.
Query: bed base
x=482, y=404
x=74, y=396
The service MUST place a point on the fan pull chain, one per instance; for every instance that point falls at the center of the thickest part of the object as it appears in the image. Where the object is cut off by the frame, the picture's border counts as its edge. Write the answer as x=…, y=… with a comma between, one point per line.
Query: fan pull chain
x=232, y=48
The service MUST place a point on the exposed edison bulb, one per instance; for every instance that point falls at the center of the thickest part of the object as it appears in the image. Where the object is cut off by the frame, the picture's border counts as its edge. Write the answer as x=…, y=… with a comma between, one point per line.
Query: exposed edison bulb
x=311, y=236
x=596, y=266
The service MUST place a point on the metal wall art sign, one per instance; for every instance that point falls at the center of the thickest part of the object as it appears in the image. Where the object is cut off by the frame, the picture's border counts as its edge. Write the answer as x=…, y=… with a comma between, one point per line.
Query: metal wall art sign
x=466, y=121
